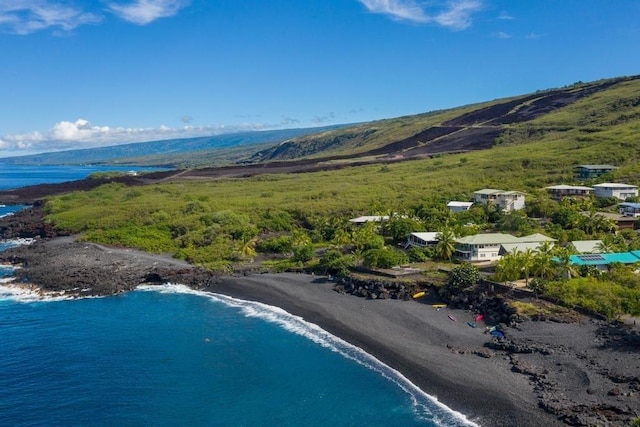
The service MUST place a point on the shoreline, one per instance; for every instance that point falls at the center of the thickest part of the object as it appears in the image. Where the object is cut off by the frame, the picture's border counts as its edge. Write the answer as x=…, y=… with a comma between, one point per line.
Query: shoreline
x=415, y=339
x=545, y=373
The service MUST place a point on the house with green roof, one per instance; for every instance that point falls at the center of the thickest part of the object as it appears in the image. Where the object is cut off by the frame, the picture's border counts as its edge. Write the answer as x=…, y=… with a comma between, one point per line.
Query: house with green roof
x=491, y=246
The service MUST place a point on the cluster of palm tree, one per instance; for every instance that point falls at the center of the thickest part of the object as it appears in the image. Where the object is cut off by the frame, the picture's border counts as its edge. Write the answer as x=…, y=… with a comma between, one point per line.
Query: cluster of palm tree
x=546, y=263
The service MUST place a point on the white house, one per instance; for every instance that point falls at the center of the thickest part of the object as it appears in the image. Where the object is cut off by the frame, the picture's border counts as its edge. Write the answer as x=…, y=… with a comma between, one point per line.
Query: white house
x=629, y=209
x=422, y=239
x=491, y=246
x=507, y=201
x=614, y=189
x=455, y=206
x=557, y=192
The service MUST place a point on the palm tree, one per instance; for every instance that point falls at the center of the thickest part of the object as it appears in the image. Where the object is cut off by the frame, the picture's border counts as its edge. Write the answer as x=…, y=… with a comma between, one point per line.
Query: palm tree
x=445, y=248
x=526, y=259
x=565, y=267
x=508, y=267
x=543, y=265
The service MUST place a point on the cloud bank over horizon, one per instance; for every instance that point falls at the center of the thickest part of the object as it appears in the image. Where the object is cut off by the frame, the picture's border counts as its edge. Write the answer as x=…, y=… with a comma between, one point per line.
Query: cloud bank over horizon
x=81, y=134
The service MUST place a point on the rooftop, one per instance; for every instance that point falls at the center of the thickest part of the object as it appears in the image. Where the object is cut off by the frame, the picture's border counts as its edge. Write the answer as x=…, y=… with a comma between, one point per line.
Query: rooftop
x=569, y=187
x=615, y=185
x=596, y=167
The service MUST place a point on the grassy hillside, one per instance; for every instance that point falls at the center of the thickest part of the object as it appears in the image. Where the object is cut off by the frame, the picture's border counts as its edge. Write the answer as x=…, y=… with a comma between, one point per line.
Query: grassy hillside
x=192, y=218
x=473, y=127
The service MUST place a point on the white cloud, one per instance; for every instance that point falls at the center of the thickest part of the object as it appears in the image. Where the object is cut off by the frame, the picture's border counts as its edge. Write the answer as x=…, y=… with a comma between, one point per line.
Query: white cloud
x=503, y=35
x=28, y=16
x=454, y=14
x=66, y=135
x=457, y=15
x=143, y=12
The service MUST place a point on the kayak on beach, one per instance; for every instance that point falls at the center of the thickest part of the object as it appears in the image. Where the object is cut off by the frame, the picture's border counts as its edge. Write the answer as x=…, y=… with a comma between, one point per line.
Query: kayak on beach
x=418, y=295
x=452, y=317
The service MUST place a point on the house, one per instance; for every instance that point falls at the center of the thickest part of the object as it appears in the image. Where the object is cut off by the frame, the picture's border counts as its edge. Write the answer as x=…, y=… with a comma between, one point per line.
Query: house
x=591, y=171
x=532, y=242
x=558, y=192
x=629, y=209
x=371, y=218
x=602, y=261
x=491, y=246
x=459, y=206
x=587, y=246
x=485, y=196
x=507, y=201
x=621, y=221
x=614, y=189
x=422, y=239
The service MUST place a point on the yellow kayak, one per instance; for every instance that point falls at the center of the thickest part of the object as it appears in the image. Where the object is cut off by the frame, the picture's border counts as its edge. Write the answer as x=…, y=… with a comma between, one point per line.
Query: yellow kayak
x=438, y=305
x=418, y=295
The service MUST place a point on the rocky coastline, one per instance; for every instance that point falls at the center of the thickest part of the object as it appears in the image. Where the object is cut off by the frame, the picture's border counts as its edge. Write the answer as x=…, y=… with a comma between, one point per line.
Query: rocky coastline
x=547, y=372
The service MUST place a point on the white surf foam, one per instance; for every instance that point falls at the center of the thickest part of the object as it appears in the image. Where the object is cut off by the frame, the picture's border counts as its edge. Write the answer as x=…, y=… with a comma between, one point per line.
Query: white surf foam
x=445, y=416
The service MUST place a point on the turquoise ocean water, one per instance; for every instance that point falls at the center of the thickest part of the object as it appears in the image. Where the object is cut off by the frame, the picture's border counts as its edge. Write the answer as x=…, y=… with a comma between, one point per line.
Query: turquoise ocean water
x=171, y=356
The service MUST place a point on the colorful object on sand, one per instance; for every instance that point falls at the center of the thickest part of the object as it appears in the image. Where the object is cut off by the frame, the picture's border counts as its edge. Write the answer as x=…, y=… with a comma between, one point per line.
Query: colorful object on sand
x=452, y=317
x=479, y=318
x=438, y=305
x=498, y=334
x=418, y=295
x=472, y=324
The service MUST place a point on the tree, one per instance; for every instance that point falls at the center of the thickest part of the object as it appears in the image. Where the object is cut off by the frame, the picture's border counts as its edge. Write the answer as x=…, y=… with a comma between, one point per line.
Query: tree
x=335, y=262
x=538, y=286
x=566, y=269
x=445, y=248
x=543, y=266
x=399, y=227
x=508, y=267
x=384, y=258
x=463, y=276
x=526, y=260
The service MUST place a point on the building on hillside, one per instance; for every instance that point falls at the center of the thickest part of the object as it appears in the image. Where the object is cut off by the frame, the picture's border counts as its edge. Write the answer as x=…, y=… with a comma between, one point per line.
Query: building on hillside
x=621, y=221
x=558, y=192
x=455, y=206
x=422, y=239
x=507, y=201
x=629, y=209
x=370, y=218
x=602, y=261
x=491, y=246
x=587, y=246
x=582, y=172
x=615, y=189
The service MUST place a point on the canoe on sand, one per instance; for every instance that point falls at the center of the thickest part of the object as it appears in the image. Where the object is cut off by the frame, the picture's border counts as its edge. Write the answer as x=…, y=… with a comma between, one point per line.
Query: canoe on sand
x=418, y=295
x=452, y=317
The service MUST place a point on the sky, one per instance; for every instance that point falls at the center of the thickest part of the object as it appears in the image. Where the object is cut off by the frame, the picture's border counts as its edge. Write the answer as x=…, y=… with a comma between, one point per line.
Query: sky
x=88, y=73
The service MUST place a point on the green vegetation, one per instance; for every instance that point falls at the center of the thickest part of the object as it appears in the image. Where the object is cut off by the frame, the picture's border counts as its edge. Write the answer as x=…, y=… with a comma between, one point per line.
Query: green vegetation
x=301, y=220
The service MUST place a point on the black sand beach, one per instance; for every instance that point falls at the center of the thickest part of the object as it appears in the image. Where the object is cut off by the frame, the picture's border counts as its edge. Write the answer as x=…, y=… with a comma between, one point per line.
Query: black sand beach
x=544, y=373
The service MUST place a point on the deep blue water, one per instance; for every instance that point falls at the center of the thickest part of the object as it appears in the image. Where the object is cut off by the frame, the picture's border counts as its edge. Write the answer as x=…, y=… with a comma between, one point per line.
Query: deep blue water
x=14, y=176
x=171, y=356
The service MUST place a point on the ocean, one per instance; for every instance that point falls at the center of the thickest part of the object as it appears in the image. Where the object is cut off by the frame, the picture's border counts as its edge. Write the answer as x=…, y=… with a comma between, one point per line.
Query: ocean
x=172, y=356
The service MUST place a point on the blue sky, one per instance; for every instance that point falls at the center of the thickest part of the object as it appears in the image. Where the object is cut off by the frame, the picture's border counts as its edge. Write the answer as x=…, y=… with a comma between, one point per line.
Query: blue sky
x=80, y=73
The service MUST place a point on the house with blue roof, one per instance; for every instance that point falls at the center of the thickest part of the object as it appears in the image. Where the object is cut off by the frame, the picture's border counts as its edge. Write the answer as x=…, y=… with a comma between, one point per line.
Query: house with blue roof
x=603, y=261
x=629, y=209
